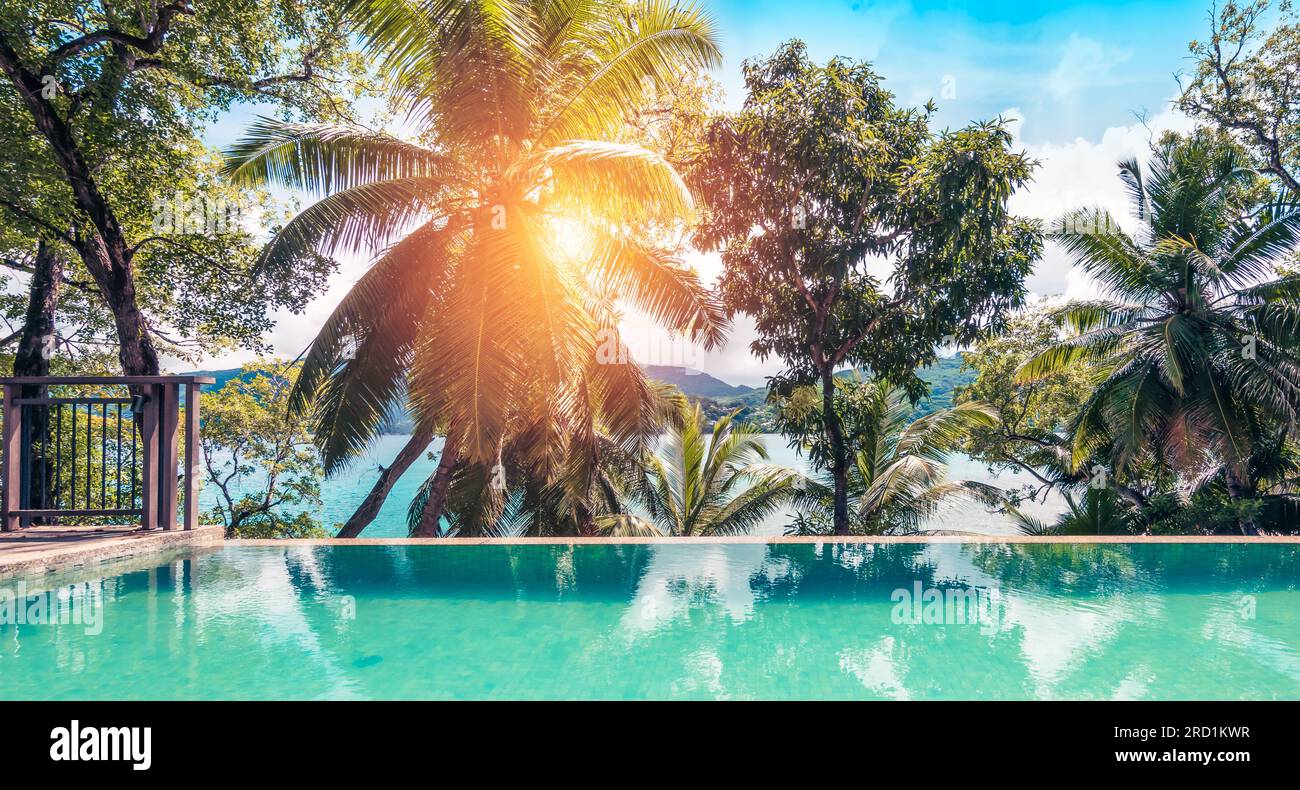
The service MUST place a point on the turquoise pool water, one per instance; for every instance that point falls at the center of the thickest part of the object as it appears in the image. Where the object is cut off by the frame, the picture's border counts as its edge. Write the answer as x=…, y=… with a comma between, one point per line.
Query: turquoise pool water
x=685, y=621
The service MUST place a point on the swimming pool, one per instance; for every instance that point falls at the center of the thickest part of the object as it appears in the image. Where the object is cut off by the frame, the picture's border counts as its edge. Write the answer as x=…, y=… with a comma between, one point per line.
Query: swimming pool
x=677, y=621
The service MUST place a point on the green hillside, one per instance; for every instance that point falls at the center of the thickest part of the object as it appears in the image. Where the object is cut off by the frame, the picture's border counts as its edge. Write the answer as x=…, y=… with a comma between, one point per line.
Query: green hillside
x=944, y=377
x=716, y=397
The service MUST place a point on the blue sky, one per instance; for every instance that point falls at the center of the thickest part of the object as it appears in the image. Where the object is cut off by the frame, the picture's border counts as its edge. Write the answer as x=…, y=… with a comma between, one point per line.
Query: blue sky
x=1075, y=77
x=1076, y=68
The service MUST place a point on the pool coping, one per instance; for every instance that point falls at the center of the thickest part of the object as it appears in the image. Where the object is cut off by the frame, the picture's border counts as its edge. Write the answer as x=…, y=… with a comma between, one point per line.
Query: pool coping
x=45, y=557
x=768, y=540
x=37, y=550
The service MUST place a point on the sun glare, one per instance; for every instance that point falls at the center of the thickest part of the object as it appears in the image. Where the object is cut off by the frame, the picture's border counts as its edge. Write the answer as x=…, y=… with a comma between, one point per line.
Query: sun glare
x=571, y=236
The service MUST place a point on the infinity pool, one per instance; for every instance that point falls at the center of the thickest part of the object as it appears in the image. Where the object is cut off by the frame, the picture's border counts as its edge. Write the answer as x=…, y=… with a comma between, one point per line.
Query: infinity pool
x=685, y=621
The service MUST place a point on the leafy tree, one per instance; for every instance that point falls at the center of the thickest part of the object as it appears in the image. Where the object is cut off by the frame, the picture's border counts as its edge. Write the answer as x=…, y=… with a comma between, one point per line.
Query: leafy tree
x=898, y=468
x=673, y=119
x=1195, y=344
x=1030, y=434
x=820, y=175
x=100, y=115
x=705, y=482
x=473, y=310
x=1244, y=82
x=264, y=467
x=1267, y=492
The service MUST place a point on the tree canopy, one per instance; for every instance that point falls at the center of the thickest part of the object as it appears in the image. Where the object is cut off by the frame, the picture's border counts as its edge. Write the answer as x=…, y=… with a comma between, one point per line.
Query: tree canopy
x=102, y=115
x=853, y=234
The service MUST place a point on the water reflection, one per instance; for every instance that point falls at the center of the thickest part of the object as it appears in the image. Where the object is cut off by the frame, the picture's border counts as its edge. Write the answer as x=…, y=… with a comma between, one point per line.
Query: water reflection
x=685, y=620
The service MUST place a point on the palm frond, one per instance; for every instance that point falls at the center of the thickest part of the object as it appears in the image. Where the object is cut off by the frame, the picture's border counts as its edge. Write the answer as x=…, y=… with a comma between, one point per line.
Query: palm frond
x=323, y=159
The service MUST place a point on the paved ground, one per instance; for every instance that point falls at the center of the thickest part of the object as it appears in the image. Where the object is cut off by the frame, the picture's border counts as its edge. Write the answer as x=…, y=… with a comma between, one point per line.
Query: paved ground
x=38, y=549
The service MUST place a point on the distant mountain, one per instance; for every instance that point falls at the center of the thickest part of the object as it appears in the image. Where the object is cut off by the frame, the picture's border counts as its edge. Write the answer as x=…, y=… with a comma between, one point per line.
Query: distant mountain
x=222, y=376
x=717, y=397
x=944, y=377
x=695, y=383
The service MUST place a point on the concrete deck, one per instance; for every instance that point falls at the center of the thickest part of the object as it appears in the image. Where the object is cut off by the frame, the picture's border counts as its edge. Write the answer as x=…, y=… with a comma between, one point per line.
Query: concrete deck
x=44, y=549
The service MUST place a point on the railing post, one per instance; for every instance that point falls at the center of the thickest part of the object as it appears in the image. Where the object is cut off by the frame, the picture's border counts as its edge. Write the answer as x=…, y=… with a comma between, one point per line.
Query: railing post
x=149, y=430
x=170, y=416
x=12, y=468
x=191, y=455
x=153, y=431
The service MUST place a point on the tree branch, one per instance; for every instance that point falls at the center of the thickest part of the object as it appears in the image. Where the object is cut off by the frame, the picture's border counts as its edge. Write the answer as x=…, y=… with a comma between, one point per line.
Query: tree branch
x=80, y=285
x=150, y=43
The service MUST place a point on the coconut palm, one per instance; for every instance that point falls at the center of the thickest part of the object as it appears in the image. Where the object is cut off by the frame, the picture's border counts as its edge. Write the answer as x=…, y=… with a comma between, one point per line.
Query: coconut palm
x=517, y=497
x=898, y=470
x=1195, y=343
x=1271, y=479
x=1094, y=512
x=704, y=482
x=475, y=311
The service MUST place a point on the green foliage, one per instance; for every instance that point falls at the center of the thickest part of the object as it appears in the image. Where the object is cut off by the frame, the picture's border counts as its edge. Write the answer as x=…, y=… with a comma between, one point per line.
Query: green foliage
x=134, y=92
x=263, y=464
x=703, y=482
x=1243, y=82
x=1097, y=512
x=830, y=172
x=1033, y=416
x=821, y=172
x=898, y=473
x=1176, y=390
x=1198, y=344
x=474, y=312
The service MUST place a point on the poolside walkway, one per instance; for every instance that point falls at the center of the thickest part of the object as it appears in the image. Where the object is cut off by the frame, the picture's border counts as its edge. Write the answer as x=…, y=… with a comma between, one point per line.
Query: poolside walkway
x=39, y=549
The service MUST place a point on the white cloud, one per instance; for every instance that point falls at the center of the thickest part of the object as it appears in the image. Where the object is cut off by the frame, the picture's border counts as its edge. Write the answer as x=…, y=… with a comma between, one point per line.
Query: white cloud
x=1085, y=63
x=1082, y=174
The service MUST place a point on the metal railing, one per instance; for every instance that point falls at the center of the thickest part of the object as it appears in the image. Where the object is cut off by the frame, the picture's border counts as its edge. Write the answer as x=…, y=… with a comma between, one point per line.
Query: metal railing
x=103, y=447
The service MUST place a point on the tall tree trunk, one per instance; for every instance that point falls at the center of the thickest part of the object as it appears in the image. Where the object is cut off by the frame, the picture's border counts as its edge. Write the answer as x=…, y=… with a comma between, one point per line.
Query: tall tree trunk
x=429, y=525
x=387, y=478
x=37, y=340
x=106, y=253
x=839, y=451
x=135, y=349
x=33, y=359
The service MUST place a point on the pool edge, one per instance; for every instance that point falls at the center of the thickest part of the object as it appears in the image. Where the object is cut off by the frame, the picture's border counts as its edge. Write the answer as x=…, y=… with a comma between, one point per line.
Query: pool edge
x=769, y=540
x=31, y=555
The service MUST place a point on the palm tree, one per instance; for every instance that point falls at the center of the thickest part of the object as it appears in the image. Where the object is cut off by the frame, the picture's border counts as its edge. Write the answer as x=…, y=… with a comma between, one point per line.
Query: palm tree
x=704, y=483
x=1098, y=512
x=1271, y=478
x=520, y=497
x=1195, y=345
x=898, y=470
x=474, y=312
